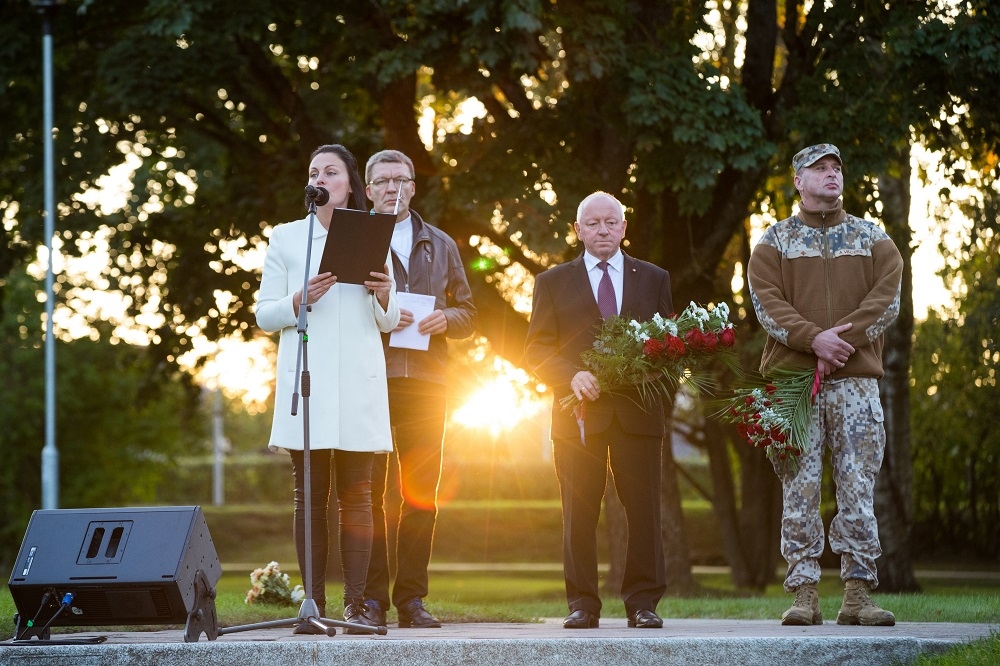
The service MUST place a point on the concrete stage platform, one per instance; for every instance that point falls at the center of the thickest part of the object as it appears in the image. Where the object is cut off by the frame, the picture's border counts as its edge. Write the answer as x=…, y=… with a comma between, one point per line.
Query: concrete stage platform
x=680, y=643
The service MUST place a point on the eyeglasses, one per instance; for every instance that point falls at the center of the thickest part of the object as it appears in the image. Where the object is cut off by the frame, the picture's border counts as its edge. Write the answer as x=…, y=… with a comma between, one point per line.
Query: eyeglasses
x=380, y=183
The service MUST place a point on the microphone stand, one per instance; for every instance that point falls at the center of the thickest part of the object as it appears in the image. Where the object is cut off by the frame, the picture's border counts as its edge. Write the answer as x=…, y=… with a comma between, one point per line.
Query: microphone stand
x=308, y=615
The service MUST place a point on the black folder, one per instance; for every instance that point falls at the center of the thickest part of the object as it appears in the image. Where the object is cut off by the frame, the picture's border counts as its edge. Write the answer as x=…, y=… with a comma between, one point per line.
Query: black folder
x=358, y=243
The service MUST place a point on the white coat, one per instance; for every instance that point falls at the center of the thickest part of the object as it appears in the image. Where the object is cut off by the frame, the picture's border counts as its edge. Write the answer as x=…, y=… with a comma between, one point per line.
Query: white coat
x=349, y=400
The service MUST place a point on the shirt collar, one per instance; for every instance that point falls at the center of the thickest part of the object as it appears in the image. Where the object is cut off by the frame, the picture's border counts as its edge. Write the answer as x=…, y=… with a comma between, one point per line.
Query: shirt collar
x=405, y=222
x=616, y=262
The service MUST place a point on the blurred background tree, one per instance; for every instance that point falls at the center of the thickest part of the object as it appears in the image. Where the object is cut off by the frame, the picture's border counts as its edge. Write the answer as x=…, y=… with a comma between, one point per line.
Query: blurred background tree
x=512, y=111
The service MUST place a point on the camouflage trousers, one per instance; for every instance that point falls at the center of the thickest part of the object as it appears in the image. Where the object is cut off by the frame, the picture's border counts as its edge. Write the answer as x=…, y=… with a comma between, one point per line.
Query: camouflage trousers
x=847, y=419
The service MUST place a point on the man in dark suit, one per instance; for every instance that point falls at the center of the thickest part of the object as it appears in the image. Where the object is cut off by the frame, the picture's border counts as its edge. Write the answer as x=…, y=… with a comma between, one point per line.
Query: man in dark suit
x=568, y=305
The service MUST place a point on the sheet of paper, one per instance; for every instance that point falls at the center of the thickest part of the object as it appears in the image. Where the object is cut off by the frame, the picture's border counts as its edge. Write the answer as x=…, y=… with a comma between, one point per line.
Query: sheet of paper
x=420, y=305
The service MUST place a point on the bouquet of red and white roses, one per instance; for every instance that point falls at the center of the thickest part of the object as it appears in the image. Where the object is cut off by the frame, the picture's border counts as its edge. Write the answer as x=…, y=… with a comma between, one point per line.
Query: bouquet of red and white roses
x=654, y=356
x=775, y=416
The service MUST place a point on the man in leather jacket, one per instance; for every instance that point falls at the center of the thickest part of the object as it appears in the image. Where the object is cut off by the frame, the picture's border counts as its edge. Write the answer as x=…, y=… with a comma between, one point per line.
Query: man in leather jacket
x=425, y=261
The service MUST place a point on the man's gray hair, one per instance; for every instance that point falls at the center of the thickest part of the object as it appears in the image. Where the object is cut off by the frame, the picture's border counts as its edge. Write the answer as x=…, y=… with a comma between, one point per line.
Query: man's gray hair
x=597, y=195
x=387, y=157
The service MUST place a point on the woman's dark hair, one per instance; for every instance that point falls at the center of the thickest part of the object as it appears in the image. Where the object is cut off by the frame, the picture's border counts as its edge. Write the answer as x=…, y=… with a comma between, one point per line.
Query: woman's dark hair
x=357, y=199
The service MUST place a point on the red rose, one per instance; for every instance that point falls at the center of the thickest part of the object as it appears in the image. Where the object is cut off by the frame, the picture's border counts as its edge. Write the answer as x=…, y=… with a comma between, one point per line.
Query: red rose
x=673, y=347
x=653, y=348
x=709, y=341
x=728, y=337
x=694, y=339
x=770, y=388
x=700, y=341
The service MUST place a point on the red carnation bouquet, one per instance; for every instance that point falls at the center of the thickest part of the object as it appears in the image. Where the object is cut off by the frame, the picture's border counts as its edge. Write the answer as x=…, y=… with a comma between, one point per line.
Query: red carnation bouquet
x=655, y=356
x=775, y=416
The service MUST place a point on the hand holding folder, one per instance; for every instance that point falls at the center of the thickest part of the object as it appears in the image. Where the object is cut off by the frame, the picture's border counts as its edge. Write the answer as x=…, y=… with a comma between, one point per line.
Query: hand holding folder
x=357, y=244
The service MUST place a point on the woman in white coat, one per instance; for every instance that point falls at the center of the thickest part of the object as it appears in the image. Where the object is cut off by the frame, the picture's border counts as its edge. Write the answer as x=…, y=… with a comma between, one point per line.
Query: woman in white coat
x=349, y=407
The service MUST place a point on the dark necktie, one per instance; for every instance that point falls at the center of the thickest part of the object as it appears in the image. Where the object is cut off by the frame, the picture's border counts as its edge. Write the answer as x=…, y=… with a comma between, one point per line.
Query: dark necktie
x=606, y=302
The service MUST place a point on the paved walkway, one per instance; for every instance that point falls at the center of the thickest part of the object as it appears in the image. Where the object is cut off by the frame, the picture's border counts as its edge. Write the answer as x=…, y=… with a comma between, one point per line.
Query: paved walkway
x=680, y=643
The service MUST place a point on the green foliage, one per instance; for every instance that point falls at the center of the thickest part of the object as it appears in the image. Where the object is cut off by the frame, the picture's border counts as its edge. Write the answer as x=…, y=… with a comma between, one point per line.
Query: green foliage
x=578, y=96
x=116, y=434
x=985, y=652
x=956, y=449
x=956, y=363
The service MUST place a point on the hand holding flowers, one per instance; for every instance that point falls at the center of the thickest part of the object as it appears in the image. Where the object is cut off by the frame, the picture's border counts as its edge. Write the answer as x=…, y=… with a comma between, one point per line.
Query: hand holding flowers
x=656, y=355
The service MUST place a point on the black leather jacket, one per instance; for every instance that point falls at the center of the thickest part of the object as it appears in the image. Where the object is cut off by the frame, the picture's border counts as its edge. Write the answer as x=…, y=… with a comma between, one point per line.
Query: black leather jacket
x=435, y=269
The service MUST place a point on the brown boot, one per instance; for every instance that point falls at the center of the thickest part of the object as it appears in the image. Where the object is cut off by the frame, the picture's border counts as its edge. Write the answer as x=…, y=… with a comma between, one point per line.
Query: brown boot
x=858, y=608
x=805, y=611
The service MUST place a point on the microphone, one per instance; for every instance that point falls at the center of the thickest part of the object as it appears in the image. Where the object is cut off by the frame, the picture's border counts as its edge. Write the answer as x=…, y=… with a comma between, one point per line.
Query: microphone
x=319, y=195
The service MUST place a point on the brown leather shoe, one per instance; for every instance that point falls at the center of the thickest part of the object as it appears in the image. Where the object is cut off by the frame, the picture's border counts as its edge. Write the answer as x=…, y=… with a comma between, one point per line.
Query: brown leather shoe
x=582, y=619
x=644, y=619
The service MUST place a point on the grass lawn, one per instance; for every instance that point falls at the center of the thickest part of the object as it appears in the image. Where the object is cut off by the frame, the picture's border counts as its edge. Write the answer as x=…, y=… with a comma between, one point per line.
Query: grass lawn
x=458, y=597
x=525, y=596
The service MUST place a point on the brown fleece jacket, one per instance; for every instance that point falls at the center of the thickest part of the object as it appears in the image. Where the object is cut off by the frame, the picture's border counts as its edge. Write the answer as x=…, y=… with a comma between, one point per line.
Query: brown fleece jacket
x=820, y=269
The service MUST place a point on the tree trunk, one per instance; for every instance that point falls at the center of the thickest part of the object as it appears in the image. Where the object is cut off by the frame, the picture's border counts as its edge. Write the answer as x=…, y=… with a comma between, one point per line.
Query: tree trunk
x=894, y=488
x=749, y=521
x=760, y=517
x=724, y=503
x=750, y=530
x=676, y=554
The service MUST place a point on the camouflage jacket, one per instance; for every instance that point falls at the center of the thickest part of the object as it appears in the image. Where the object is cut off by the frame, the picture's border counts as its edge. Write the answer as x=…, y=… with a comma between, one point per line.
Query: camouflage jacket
x=820, y=269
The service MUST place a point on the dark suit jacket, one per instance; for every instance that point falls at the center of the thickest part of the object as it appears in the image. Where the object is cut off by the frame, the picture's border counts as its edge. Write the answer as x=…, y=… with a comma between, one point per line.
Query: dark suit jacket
x=564, y=323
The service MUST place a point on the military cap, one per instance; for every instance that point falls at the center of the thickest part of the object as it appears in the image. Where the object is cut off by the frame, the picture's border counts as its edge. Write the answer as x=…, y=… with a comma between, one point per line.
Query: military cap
x=811, y=155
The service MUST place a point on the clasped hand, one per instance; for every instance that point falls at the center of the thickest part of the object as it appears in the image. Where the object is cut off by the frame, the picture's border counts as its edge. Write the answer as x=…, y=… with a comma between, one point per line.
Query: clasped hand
x=831, y=351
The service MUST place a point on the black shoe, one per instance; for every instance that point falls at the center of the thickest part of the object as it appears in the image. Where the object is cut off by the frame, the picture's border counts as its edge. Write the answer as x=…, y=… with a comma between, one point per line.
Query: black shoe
x=412, y=614
x=354, y=612
x=373, y=611
x=645, y=619
x=582, y=619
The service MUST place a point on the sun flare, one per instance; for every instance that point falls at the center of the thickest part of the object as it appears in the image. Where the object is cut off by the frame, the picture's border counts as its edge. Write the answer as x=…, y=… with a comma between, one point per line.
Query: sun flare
x=501, y=403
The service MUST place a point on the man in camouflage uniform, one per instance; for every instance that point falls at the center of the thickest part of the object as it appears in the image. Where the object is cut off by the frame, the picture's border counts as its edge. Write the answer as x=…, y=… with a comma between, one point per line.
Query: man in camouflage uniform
x=825, y=286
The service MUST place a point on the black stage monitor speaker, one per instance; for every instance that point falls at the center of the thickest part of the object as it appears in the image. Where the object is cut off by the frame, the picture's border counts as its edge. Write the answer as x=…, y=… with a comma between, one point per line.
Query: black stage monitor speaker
x=93, y=567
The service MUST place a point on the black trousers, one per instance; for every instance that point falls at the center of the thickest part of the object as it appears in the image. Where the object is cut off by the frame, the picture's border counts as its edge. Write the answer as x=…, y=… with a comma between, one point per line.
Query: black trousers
x=583, y=471
x=353, y=473
x=417, y=412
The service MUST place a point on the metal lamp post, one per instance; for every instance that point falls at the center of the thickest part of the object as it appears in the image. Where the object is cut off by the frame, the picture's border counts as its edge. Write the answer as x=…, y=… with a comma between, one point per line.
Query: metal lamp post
x=50, y=454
